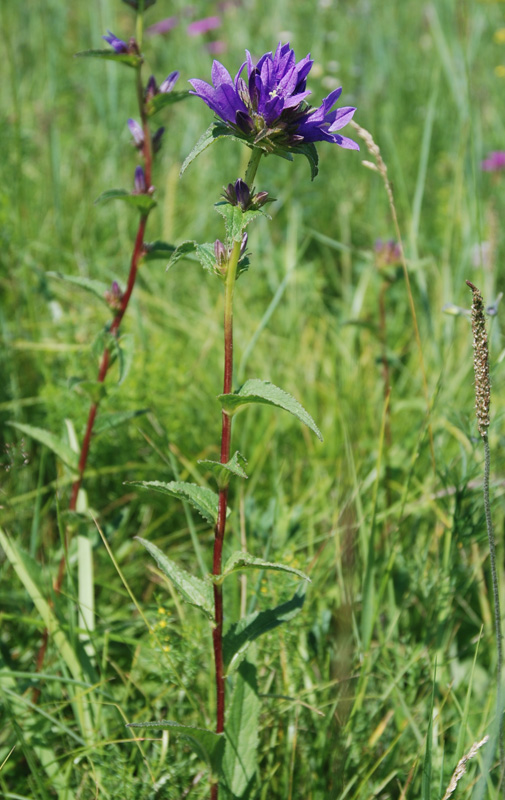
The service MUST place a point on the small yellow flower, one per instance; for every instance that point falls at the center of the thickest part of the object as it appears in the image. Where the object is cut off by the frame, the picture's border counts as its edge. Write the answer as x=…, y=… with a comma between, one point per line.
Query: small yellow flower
x=499, y=36
x=161, y=610
x=162, y=624
x=499, y=71
x=166, y=649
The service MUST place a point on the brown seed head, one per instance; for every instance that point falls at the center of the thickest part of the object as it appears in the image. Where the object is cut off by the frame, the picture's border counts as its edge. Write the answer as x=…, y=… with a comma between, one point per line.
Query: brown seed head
x=480, y=362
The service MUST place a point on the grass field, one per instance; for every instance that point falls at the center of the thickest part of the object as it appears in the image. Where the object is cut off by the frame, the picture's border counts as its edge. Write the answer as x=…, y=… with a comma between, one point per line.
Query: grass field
x=387, y=677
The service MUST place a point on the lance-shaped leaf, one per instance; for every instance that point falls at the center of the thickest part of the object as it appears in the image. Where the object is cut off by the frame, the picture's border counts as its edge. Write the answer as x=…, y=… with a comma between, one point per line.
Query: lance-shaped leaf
x=204, y=500
x=204, y=253
x=236, y=220
x=240, y=561
x=164, y=99
x=309, y=150
x=109, y=420
x=144, y=202
x=215, y=131
x=97, y=288
x=264, y=392
x=125, y=353
x=62, y=450
x=207, y=744
x=241, y=730
x=193, y=590
x=158, y=250
x=240, y=635
x=223, y=472
x=130, y=59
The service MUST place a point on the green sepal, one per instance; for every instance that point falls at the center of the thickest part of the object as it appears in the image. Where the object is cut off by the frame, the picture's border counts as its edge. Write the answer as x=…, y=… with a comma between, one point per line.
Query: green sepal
x=204, y=500
x=59, y=448
x=95, y=390
x=266, y=393
x=98, y=288
x=144, y=202
x=241, y=560
x=223, y=472
x=162, y=100
x=193, y=590
x=110, y=420
x=236, y=220
x=309, y=150
x=157, y=250
x=204, y=253
x=239, y=763
x=130, y=59
x=206, y=744
x=240, y=635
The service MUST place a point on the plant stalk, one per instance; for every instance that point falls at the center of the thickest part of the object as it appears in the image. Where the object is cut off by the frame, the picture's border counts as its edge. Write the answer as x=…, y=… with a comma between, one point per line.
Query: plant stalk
x=226, y=420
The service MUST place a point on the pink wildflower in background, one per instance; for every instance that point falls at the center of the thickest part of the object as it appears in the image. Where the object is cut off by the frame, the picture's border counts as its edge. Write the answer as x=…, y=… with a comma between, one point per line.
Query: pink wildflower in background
x=203, y=25
x=494, y=162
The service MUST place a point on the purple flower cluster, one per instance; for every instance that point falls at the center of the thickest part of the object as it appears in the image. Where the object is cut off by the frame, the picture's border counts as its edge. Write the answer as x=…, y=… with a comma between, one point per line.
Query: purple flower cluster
x=269, y=109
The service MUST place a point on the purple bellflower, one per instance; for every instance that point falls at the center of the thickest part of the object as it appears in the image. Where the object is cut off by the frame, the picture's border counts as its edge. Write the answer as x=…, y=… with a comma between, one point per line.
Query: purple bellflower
x=269, y=109
x=137, y=133
x=203, y=25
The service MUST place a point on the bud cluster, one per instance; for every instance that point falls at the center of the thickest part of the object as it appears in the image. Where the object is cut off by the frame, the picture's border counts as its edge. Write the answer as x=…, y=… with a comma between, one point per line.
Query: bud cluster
x=480, y=362
x=114, y=296
x=239, y=194
x=222, y=254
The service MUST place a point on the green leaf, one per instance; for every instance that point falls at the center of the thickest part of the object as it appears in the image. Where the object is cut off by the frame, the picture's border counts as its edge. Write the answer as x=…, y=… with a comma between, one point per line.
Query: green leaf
x=62, y=450
x=204, y=253
x=193, y=590
x=241, y=730
x=95, y=390
x=265, y=393
x=206, y=744
x=310, y=152
x=204, y=500
x=95, y=287
x=237, y=220
x=162, y=100
x=158, y=250
x=108, y=421
x=125, y=352
x=215, y=131
x=144, y=202
x=240, y=635
x=241, y=560
x=222, y=472
x=130, y=59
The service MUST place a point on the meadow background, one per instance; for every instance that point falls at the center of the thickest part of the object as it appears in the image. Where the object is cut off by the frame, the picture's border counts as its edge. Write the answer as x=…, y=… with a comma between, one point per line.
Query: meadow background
x=386, y=678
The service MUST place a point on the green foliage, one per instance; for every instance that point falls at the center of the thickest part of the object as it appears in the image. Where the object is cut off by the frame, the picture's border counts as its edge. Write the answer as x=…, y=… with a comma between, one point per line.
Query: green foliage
x=239, y=760
x=165, y=99
x=207, y=744
x=223, y=472
x=193, y=590
x=265, y=393
x=204, y=500
x=129, y=59
x=144, y=202
x=61, y=449
x=236, y=220
x=240, y=561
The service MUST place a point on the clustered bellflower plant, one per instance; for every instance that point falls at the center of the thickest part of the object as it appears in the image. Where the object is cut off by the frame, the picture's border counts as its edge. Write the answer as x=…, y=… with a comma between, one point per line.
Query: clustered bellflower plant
x=109, y=345
x=268, y=112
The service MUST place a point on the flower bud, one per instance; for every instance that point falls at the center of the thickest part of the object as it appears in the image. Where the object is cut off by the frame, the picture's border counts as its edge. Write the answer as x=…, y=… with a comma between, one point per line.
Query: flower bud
x=140, y=181
x=137, y=133
x=117, y=44
x=169, y=82
x=151, y=89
